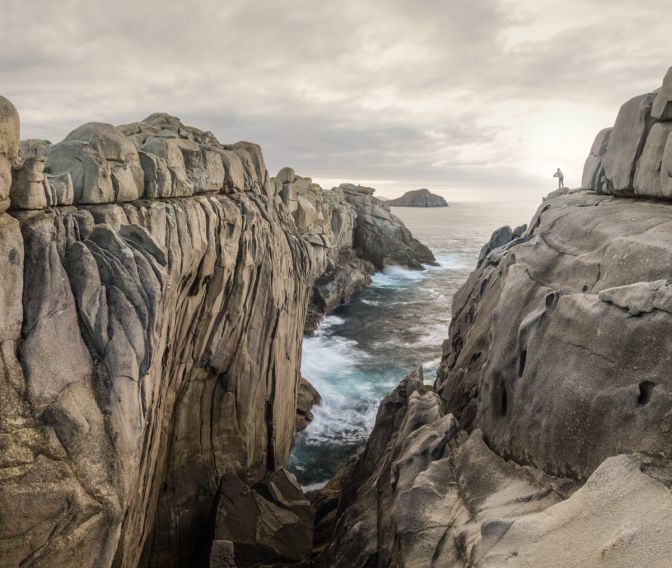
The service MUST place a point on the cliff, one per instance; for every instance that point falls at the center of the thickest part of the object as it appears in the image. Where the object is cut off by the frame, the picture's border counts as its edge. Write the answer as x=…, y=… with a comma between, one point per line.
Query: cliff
x=153, y=290
x=546, y=438
x=418, y=198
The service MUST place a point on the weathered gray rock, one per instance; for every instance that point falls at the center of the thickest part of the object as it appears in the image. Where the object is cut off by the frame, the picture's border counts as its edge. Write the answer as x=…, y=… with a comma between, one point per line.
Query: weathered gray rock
x=524, y=355
x=103, y=164
x=651, y=178
x=418, y=198
x=634, y=157
x=593, y=170
x=424, y=493
x=167, y=155
x=9, y=148
x=626, y=143
x=351, y=235
x=307, y=398
x=115, y=336
x=662, y=105
x=382, y=240
x=149, y=349
x=30, y=188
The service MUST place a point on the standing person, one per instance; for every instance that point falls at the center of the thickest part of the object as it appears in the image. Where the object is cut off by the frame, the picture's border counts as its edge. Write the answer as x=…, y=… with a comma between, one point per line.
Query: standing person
x=561, y=178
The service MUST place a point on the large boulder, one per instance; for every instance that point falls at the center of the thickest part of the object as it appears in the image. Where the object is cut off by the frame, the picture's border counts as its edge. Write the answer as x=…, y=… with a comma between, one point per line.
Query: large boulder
x=634, y=158
x=166, y=155
x=307, y=398
x=662, y=105
x=9, y=148
x=104, y=165
x=652, y=175
x=32, y=188
x=593, y=170
x=626, y=143
x=545, y=356
x=270, y=524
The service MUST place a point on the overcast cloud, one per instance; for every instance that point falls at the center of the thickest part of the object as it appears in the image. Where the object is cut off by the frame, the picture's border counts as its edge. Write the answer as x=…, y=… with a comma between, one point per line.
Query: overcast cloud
x=478, y=99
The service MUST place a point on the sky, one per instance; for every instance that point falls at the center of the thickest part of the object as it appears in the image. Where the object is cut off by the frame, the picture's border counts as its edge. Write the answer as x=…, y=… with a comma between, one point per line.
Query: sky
x=477, y=100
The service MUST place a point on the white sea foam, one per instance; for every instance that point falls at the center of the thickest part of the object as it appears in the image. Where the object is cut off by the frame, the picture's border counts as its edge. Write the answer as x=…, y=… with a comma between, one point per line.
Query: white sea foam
x=313, y=486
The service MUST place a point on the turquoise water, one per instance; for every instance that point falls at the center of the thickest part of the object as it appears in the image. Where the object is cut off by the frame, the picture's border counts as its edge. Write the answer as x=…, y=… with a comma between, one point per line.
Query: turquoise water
x=364, y=348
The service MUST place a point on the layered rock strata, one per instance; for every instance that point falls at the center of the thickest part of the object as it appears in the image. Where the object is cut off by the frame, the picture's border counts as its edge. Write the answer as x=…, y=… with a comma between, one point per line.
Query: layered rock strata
x=546, y=438
x=153, y=290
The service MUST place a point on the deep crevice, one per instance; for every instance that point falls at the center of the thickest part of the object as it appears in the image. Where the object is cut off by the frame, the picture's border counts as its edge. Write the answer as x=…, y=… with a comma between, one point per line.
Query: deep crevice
x=521, y=362
x=645, y=390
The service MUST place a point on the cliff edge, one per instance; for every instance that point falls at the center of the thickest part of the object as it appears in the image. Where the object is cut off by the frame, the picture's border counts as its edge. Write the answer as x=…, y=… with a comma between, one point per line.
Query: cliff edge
x=546, y=438
x=153, y=291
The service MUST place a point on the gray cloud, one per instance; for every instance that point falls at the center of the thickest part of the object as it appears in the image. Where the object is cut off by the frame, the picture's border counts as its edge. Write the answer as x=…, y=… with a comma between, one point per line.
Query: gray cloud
x=393, y=90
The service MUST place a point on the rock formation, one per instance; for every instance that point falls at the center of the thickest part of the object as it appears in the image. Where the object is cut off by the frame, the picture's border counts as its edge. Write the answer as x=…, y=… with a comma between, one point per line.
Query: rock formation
x=635, y=156
x=153, y=290
x=352, y=234
x=546, y=439
x=418, y=198
x=306, y=399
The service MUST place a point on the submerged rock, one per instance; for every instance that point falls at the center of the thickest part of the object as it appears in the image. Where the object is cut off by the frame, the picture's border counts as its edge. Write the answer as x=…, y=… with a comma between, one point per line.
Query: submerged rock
x=418, y=198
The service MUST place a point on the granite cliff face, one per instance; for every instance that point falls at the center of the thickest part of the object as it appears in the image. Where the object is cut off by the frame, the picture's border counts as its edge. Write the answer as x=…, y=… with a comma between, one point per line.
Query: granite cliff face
x=418, y=198
x=153, y=291
x=546, y=438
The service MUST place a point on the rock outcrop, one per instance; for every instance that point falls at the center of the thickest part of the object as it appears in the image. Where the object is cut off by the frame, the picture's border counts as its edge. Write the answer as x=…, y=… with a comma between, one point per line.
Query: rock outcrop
x=418, y=198
x=634, y=158
x=308, y=397
x=153, y=290
x=352, y=234
x=546, y=439
x=269, y=524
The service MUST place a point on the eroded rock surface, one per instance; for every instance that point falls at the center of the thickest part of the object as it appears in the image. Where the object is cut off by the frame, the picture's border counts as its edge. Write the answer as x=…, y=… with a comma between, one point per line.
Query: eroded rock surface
x=269, y=524
x=136, y=374
x=308, y=397
x=635, y=156
x=546, y=439
x=153, y=290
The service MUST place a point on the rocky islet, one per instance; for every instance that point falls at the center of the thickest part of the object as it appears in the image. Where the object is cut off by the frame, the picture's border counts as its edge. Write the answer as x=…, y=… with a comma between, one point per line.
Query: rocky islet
x=418, y=198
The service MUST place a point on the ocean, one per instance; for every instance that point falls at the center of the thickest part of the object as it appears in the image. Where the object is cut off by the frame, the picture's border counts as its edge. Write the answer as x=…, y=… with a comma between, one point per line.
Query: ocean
x=364, y=348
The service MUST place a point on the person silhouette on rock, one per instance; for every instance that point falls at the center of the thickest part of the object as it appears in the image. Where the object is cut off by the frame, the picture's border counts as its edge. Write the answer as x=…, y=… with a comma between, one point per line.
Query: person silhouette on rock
x=561, y=178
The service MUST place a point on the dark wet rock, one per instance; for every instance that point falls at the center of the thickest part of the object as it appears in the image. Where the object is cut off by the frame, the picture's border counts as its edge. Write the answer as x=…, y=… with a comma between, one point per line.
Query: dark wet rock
x=269, y=524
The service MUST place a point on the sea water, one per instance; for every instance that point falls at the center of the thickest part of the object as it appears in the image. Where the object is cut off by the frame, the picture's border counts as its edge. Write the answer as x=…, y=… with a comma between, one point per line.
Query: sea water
x=364, y=348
